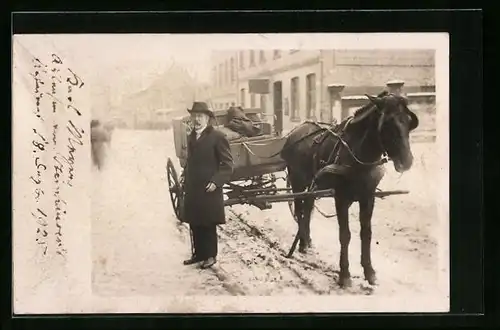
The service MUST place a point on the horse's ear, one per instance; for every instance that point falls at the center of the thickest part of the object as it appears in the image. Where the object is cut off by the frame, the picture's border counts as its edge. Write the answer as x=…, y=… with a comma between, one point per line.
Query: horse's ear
x=362, y=114
x=414, y=120
x=376, y=100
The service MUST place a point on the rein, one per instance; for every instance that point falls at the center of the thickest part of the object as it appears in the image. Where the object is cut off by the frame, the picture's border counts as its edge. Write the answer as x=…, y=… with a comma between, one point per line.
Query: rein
x=335, y=168
x=336, y=150
x=321, y=129
x=381, y=161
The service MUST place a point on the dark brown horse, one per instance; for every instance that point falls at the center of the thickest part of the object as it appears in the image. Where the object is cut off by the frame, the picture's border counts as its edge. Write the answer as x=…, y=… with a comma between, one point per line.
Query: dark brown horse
x=348, y=158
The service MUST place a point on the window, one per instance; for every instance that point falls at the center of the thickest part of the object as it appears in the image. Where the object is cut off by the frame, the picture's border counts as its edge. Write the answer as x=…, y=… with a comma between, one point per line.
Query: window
x=221, y=75
x=428, y=89
x=276, y=54
x=252, y=58
x=242, y=60
x=263, y=102
x=227, y=73
x=294, y=102
x=214, y=76
x=286, y=106
x=262, y=57
x=310, y=95
x=252, y=100
x=242, y=97
x=233, y=75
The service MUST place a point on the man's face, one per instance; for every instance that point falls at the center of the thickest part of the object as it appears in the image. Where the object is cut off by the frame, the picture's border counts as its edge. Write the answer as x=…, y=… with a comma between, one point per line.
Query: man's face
x=199, y=120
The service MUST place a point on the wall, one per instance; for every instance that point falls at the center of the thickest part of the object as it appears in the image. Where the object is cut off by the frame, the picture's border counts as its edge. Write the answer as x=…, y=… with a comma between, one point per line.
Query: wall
x=287, y=66
x=361, y=71
x=424, y=106
x=378, y=76
x=224, y=89
x=367, y=71
x=271, y=66
x=286, y=78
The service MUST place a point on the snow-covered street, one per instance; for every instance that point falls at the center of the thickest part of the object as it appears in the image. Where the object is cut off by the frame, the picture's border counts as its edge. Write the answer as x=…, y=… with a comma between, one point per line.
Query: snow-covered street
x=138, y=244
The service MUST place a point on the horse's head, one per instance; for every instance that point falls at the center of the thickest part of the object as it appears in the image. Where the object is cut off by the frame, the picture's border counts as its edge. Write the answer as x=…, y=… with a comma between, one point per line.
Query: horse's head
x=395, y=122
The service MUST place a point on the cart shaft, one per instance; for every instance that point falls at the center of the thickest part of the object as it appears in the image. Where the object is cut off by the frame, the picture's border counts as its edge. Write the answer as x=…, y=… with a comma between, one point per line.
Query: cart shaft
x=277, y=198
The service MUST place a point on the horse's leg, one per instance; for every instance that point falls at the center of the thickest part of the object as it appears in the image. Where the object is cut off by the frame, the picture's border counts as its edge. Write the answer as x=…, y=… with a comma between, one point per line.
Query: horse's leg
x=342, y=207
x=298, y=186
x=307, y=207
x=366, y=206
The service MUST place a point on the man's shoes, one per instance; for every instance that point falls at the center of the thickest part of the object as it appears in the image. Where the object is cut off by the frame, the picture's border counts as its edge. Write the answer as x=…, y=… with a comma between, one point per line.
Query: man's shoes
x=191, y=260
x=208, y=263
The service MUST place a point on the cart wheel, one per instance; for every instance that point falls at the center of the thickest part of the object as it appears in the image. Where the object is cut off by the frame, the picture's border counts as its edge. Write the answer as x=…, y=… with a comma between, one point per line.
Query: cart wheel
x=176, y=191
x=291, y=204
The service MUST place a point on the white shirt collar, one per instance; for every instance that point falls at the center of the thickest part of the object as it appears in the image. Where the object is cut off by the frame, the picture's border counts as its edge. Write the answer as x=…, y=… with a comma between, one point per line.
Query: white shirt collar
x=199, y=131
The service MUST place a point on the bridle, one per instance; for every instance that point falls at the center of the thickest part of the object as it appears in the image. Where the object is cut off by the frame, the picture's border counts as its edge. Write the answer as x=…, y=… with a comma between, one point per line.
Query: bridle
x=383, y=116
x=333, y=158
x=384, y=159
x=332, y=165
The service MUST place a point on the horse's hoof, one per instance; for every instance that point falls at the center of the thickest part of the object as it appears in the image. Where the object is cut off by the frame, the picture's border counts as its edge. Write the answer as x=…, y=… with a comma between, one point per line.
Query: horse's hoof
x=371, y=278
x=303, y=249
x=345, y=281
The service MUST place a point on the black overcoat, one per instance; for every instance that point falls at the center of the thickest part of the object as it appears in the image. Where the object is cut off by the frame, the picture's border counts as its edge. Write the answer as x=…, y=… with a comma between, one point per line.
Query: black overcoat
x=209, y=160
x=98, y=137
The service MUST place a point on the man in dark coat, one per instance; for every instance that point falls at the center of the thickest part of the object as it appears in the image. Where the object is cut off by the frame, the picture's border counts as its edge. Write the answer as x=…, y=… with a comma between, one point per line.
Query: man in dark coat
x=209, y=166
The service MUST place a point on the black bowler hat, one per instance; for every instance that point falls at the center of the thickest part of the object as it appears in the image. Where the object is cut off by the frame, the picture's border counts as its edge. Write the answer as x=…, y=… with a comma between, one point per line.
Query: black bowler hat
x=201, y=107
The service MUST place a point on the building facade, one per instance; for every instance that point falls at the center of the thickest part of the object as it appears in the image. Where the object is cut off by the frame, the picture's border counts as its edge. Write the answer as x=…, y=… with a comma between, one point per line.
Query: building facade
x=360, y=72
x=296, y=73
x=172, y=89
x=224, y=79
x=301, y=83
x=293, y=78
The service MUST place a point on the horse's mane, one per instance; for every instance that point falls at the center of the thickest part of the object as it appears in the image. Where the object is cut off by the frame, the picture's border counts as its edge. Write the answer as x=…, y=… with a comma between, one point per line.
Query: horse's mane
x=368, y=106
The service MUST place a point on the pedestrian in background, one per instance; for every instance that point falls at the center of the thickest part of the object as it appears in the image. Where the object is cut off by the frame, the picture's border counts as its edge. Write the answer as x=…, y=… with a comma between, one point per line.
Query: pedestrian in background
x=209, y=166
x=109, y=128
x=99, y=137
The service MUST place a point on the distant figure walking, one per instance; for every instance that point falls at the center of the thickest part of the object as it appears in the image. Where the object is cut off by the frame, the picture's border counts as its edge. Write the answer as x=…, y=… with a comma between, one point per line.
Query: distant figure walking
x=99, y=136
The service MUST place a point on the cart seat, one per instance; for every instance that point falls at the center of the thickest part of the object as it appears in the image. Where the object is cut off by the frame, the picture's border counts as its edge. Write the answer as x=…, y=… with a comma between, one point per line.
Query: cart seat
x=260, y=153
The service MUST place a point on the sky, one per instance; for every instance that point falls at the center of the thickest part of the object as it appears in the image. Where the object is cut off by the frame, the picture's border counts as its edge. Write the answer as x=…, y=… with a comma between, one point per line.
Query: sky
x=141, y=53
x=131, y=62
x=153, y=52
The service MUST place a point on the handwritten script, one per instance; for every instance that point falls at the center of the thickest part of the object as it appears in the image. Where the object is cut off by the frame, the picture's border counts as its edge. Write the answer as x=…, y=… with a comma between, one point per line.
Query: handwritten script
x=55, y=143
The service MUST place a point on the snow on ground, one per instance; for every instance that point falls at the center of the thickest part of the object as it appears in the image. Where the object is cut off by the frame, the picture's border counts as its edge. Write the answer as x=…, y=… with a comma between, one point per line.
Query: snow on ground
x=138, y=245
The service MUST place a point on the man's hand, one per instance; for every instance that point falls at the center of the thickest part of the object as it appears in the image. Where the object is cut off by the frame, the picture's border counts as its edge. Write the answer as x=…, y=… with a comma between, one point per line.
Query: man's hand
x=181, y=180
x=210, y=187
